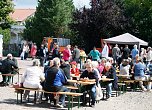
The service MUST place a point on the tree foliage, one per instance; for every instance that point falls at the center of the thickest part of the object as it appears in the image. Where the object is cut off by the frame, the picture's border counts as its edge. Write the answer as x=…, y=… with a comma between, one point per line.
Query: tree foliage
x=6, y=7
x=140, y=14
x=104, y=19
x=51, y=19
x=108, y=18
x=6, y=35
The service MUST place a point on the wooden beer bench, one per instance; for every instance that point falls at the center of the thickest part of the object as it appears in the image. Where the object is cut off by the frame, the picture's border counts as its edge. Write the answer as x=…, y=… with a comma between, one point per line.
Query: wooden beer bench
x=70, y=95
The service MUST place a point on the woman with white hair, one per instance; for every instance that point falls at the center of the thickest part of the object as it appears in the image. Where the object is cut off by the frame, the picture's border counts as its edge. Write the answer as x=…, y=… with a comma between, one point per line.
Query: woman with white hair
x=32, y=77
x=95, y=65
x=110, y=73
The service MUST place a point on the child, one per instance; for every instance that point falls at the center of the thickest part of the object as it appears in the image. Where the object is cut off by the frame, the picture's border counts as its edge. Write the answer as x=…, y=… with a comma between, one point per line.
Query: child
x=74, y=69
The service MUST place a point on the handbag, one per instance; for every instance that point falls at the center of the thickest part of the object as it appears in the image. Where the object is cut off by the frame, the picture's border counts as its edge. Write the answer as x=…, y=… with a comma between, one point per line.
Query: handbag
x=16, y=86
x=98, y=92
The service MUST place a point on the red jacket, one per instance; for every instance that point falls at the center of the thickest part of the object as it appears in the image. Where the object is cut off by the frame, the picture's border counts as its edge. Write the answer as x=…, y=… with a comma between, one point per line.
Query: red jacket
x=66, y=54
x=76, y=72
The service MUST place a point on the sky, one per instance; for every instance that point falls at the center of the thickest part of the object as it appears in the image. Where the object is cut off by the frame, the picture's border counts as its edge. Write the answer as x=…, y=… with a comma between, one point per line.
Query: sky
x=33, y=3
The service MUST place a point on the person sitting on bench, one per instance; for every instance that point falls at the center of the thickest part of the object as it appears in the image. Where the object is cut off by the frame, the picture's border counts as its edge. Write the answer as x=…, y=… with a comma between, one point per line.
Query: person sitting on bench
x=89, y=73
x=55, y=79
x=32, y=78
x=6, y=69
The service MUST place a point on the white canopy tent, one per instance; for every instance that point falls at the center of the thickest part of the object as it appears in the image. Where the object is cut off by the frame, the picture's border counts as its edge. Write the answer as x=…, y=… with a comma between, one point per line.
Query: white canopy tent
x=126, y=39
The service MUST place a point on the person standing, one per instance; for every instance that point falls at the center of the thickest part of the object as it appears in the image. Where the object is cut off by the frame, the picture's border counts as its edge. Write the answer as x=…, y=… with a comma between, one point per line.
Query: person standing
x=105, y=50
x=33, y=50
x=42, y=55
x=1, y=59
x=94, y=54
x=134, y=53
x=116, y=53
x=25, y=50
x=125, y=52
x=56, y=52
x=76, y=54
x=149, y=55
x=143, y=54
x=67, y=53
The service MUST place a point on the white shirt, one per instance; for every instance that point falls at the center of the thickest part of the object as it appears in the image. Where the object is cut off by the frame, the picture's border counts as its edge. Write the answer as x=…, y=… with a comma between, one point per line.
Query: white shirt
x=32, y=77
x=149, y=55
x=25, y=48
x=124, y=69
x=105, y=51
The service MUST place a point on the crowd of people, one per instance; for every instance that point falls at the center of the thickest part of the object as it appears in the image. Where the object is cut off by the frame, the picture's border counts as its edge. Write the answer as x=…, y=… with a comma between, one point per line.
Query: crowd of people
x=61, y=66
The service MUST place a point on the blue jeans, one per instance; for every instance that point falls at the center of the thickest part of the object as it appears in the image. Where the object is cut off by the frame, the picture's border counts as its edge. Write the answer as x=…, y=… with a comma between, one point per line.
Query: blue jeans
x=109, y=89
x=62, y=96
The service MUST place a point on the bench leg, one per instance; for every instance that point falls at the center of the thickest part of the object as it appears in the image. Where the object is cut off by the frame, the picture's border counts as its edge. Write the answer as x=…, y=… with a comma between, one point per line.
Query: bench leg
x=35, y=97
x=28, y=97
x=89, y=93
x=21, y=97
x=78, y=101
x=117, y=93
x=134, y=87
x=17, y=97
x=103, y=92
x=69, y=104
x=72, y=103
x=41, y=95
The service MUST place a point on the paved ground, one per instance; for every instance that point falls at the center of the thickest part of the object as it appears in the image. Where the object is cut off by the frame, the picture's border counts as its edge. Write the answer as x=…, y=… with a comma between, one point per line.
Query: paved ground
x=127, y=101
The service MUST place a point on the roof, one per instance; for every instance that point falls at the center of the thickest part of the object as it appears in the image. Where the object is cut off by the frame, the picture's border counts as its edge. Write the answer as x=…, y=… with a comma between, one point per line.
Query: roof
x=126, y=39
x=22, y=14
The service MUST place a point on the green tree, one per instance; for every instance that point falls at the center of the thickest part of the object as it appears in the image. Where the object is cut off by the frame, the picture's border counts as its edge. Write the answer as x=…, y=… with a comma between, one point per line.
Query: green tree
x=103, y=20
x=140, y=14
x=52, y=18
x=6, y=7
x=6, y=35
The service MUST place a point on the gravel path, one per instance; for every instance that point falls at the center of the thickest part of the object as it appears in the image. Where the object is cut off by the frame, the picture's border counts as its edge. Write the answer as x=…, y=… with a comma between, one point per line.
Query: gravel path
x=127, y=101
